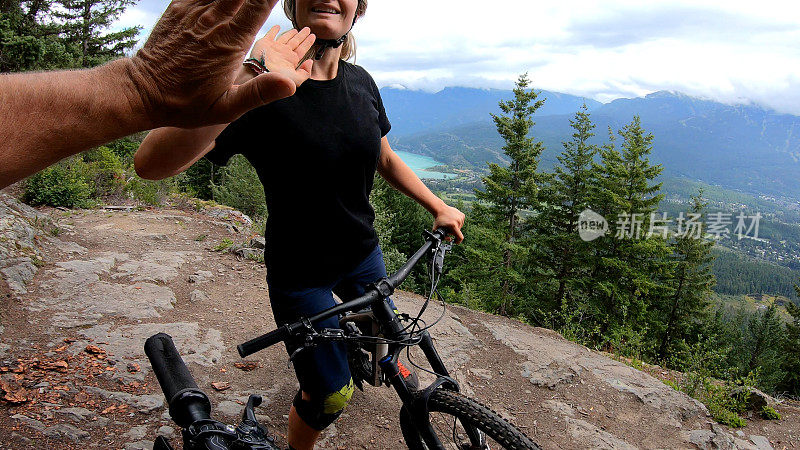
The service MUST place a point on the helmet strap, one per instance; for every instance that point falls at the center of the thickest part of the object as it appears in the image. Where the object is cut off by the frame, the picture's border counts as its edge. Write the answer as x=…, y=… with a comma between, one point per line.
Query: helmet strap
x=324, y=44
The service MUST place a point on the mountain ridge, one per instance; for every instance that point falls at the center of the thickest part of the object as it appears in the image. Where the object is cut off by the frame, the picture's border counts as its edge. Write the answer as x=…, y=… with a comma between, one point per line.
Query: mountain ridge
x=741, y=147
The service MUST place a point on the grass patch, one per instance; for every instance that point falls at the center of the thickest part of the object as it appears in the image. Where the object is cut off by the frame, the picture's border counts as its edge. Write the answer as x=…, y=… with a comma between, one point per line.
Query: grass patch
x=225, y=244
x=769, y=413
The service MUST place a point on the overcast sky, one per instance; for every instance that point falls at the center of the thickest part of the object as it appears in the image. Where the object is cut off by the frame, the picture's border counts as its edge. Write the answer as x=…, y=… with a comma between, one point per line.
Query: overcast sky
x=732, y=51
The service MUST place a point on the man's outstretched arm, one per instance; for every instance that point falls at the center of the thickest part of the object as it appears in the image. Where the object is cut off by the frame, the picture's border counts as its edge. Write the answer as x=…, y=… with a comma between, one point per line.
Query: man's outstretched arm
x=183, y=77
x=46, y=117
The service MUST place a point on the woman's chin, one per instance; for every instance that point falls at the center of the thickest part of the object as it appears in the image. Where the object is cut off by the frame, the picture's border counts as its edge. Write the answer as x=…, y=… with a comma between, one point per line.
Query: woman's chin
x=326, y=31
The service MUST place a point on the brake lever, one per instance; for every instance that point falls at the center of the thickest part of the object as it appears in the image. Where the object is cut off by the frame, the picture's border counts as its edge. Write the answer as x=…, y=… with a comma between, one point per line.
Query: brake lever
x=438, y=258
x=310, y=340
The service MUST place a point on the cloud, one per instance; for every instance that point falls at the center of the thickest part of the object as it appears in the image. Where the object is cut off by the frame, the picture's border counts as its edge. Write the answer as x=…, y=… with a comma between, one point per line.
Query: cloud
x=732, y=51
x=698, y=23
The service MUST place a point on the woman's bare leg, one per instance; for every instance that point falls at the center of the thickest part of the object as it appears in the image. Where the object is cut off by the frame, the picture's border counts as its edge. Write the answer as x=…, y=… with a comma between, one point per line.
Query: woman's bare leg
x=301, y=436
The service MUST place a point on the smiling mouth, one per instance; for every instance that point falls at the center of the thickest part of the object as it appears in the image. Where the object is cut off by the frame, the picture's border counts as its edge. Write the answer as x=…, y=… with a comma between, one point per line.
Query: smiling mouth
x=324, y=11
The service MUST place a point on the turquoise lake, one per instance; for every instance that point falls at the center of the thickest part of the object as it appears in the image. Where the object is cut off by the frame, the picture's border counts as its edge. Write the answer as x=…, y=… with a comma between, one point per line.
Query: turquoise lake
x=419, y=163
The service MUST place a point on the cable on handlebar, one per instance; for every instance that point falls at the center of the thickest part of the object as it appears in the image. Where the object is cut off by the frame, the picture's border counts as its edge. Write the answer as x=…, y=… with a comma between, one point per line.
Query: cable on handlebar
x=434, y=291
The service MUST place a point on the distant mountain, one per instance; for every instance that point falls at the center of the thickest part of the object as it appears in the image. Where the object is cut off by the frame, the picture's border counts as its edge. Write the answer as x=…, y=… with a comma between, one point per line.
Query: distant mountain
x=745, y=148
x=413, y=112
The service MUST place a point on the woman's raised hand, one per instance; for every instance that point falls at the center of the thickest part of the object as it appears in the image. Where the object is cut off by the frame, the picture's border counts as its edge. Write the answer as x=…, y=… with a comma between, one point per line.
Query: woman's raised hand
x=283, y=54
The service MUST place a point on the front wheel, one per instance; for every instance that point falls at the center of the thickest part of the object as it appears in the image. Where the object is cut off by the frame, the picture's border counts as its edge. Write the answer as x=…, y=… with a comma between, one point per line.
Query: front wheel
x=450, y=412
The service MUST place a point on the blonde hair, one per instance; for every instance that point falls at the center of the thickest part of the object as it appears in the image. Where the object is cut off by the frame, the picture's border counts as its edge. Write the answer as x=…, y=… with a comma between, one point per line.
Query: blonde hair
x=349, y=44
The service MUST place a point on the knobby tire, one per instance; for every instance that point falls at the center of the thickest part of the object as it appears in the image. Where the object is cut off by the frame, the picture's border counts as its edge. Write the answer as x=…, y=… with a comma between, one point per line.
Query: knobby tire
x=468, y=411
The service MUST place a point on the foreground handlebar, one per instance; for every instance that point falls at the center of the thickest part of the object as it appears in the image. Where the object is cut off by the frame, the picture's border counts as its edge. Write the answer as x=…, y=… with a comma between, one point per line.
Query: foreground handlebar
x=264, y=341
x=187, y=403
x=170, y=370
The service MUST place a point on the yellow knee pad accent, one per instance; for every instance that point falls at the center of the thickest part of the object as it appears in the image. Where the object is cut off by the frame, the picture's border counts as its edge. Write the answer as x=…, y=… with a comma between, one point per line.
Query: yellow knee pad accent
x=338, y=400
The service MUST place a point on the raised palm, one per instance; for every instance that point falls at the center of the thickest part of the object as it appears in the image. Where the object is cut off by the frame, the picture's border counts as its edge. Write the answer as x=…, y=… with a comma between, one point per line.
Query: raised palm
x=284, y=54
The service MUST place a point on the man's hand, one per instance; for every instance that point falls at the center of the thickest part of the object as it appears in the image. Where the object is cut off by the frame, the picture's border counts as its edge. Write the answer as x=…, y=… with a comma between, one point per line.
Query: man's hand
x=452, y=220
x=284, y=54
x=184, y=75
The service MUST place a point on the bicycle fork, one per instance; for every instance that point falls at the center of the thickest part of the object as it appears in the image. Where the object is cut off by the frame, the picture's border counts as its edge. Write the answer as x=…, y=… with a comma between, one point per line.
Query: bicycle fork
x=415, y=403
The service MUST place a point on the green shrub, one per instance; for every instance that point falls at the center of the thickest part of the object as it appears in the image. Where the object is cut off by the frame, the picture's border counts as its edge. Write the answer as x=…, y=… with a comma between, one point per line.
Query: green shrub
x=724, y=407
x=240, y=188
x=769, y=413
x=124, y=149
x=225, y=244
x=150, y=192
x=726, y=416
x=63, y=184
x=105, y=171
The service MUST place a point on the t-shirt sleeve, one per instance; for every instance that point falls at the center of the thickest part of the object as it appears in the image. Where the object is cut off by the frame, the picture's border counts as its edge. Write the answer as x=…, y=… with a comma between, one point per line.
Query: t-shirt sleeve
x=232, y=141
x=383, y=120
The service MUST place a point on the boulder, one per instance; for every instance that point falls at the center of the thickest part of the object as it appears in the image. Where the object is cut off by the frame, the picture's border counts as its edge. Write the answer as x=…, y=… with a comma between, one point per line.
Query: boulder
x=258, y=242
x=756, y=400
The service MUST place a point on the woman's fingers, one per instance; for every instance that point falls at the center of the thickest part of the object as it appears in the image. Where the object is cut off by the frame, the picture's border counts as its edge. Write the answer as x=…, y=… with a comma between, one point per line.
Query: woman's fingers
x=459, y=235
x=298, y=38
x=305, y=68
x=285, y=37
x=304, y=46
x=272, y=33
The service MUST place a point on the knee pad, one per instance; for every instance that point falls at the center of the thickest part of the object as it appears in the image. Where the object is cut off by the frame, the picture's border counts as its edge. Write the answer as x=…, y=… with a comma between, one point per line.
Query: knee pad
x=318, y=413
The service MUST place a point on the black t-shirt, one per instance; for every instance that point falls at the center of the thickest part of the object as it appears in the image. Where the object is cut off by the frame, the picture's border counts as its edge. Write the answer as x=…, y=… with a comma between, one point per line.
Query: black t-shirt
x=316, y=153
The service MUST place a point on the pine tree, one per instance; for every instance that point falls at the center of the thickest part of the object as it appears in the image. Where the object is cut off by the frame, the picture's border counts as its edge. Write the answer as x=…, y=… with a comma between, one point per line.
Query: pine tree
x=86, y=24
x=791, y=351
x=30, y=42
x=629, y=269
x=684, y=309
x=477, y=268
x=512, y=190
x=762, y=348
x=562, y=198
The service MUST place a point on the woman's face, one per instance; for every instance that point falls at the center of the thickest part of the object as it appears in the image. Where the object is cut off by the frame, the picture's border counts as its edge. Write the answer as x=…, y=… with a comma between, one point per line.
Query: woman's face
x=328, y=19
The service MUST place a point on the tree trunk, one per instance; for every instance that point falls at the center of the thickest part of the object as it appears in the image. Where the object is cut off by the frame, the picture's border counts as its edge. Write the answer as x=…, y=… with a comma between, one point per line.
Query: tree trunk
x=662, y=349
x=505, y=301
x=86, y=31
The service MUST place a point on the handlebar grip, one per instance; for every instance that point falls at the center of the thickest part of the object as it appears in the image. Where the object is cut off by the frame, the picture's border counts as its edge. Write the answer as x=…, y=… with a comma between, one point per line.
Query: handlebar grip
x=169, y=368
x=263, y=341
x=440, y=232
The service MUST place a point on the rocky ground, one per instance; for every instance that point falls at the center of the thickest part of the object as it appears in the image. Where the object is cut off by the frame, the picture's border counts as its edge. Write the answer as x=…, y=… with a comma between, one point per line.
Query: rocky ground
x=82, y=291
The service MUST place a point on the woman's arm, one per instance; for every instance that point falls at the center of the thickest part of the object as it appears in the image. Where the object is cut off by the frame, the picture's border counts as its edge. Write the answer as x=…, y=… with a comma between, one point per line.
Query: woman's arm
x=399, y=175
x=169, y=151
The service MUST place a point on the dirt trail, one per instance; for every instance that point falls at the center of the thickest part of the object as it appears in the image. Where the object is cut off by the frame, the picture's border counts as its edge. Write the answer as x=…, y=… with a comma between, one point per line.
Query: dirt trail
x=78, y=307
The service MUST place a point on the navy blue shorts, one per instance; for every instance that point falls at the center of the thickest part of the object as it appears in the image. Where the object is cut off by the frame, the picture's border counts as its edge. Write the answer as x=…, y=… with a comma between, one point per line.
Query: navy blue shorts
x=323, y=369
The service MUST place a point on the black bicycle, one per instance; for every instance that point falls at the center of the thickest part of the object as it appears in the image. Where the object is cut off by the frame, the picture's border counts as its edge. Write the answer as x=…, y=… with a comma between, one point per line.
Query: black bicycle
x=436, y=417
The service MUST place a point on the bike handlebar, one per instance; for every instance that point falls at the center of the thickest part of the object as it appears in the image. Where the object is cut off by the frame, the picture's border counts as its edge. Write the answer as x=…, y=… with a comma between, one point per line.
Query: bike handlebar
x=187, y=403
x=168, y=366
x=263, y=341
x=285, y=331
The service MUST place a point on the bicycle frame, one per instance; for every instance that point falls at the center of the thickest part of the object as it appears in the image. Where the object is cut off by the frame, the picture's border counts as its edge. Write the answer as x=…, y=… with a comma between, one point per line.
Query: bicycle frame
x=415, y=402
